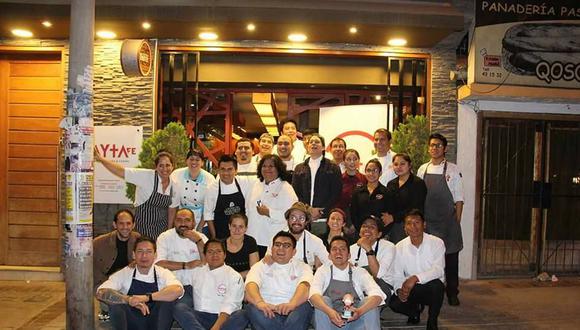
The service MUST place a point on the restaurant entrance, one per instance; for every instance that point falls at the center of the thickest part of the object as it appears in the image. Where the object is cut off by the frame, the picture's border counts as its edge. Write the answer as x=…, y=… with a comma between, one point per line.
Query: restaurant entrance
x=530, y=197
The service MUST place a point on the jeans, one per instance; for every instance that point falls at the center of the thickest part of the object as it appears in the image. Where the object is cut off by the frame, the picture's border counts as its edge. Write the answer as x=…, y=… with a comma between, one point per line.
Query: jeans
x=297, y=319
x=125, y=317
x=369, y=320
x=183, y=310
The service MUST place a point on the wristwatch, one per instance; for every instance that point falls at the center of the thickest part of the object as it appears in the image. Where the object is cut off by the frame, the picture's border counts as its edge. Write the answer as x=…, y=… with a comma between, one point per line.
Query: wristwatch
x=371, y=253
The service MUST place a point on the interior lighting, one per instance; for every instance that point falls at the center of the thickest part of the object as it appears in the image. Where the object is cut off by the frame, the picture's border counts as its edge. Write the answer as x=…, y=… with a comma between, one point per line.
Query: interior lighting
x=353, y=30
x=146, y=25
x=269, y=121
x=208, y=36
x=377, y=97
x=103, y=34
x=46, y=24
x=273, y=130
x=251, y=27
x=397, y=42
x=22, y=33
x=297, y=37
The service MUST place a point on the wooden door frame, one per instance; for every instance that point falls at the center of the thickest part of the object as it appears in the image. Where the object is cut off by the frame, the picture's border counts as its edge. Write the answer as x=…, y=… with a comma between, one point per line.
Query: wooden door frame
x=15, y=52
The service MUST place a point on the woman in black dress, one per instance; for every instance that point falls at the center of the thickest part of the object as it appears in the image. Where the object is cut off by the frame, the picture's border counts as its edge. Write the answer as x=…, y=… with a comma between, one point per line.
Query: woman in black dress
x=405, y=192
x=369, y=199
x=241, y=249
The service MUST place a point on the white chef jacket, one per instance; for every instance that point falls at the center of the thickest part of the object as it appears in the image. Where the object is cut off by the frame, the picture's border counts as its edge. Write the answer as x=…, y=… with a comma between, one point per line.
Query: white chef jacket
x=363, y=282
x=211, y=195
x=144, y=179
x=387, y=165
x=121, y=280
x=427, y=262
x=385, y=256
x=278, y=283
x=217, y=291
x=190, y=192
x=453, y=177
x=172, y=247
x=278, y=196
x=291, y=164
x=314, y=248
x=299, y=152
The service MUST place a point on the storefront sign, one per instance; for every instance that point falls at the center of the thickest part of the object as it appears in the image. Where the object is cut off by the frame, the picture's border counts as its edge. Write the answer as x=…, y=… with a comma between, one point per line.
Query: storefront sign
x=527, y=42
x=122, y=145
x=136, y=58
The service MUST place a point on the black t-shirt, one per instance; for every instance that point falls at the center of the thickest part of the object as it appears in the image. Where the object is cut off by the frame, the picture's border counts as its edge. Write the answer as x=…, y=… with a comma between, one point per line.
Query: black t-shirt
x=122, y=259
x=240, y=261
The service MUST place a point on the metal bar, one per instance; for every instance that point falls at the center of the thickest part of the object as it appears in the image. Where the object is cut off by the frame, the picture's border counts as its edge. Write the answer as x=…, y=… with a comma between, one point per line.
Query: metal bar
x=184, y=105
x=414, y=88
x=401, y=95
x=197, y=64
x=536, y=220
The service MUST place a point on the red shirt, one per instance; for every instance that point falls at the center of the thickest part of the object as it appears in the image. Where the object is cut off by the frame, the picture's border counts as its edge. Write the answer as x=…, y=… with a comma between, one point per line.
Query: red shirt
x=349, y=184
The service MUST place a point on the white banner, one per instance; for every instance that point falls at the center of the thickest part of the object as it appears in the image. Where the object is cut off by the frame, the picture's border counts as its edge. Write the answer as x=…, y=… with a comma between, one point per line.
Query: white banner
x=121, y=144
x=355, y=124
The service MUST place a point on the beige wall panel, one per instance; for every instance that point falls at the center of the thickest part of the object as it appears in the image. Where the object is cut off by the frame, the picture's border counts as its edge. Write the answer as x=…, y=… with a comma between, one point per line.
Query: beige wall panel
x=35, y=97
x=32, y=151
x=34, y=124
x=36, y=83
x=23, y=231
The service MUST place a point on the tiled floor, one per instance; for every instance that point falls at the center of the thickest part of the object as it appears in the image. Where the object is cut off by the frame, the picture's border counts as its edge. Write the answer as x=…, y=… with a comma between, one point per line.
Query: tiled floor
x=497, y=304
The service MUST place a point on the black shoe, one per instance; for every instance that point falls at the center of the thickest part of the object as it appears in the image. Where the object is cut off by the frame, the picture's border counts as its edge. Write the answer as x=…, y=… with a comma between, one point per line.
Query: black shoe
x=453, y=301
x=432, y=325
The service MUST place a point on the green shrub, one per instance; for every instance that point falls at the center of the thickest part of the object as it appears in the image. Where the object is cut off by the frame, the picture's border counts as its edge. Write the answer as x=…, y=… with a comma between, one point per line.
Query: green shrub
x=411, y=137
x=172, y=138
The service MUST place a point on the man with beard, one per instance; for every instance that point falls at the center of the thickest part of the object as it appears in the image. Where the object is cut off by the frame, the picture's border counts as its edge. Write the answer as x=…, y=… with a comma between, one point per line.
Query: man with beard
x=244, y=152
x=141, y=296
x=309, y=248
x=277, y=294
x=178, y=249
x=114, y=250
x=284, y=149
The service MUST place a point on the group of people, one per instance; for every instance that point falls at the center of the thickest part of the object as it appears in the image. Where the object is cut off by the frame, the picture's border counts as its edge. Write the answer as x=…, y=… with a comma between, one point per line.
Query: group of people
x=284, y=234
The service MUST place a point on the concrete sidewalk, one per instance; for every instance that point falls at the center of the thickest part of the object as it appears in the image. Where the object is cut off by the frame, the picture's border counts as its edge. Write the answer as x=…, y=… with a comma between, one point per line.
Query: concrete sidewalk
x=485, y=304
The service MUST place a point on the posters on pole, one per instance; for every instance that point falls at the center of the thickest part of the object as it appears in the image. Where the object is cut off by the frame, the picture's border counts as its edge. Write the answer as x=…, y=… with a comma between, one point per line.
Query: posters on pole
x=120, y=144
x=355, y=124
x=526, y=43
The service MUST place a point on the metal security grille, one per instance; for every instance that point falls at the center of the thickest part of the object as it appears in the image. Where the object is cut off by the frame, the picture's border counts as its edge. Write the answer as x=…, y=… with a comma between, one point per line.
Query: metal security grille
x=530, y=198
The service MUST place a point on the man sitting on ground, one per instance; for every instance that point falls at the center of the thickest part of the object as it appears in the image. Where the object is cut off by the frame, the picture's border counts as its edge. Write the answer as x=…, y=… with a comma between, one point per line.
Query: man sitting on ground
x=341, y=287
x=419, y=272
x=218, y=291
x=114, y=250
x=278, y=293
x=141, y=297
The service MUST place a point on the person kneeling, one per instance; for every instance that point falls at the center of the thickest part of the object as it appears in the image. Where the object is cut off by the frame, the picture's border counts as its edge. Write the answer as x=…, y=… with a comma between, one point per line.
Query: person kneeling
x=419, y=272
x=278, y=293
x=141, y=297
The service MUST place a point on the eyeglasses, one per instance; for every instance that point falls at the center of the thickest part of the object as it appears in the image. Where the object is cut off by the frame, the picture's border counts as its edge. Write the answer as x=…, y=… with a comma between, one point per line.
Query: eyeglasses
x=281, y=245
x=436, y=145
x=299, y=219
x=372, y=170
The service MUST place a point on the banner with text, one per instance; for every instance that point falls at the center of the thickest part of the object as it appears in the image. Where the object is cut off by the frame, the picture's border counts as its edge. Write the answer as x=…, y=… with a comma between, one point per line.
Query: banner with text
x=527, y=43
x=355, y=124
x=121, y=144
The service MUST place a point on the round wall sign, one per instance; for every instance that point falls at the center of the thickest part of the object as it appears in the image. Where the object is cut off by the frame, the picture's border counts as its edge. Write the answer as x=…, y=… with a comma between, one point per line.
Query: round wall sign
x=136, y=57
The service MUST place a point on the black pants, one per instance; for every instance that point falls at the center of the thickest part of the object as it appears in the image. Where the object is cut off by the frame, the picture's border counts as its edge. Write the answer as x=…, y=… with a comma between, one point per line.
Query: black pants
x=452, y=274
x=429, y=294
x=124, y=317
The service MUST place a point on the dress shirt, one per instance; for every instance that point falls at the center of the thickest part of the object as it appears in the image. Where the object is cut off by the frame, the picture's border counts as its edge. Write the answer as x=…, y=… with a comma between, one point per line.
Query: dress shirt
x=363, y=282
x=220, y=290
x=453, y=177
x=278, y=283
x=385, y=256
x=121, y=280
x=278, y=196
x=144, y=179
x=191, y=192
x=172, y=247
x=314, y=248
x=246, y=184
x=427, y=261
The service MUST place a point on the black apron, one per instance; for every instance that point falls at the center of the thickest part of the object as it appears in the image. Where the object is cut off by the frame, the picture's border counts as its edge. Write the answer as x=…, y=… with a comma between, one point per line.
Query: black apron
x=141, y=288
x=337, y=289
x=225, y=206
x=151, y=216
x=440, y=211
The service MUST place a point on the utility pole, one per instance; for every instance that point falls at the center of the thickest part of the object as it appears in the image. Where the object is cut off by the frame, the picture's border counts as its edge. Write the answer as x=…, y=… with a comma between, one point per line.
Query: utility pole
x=78, y=151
